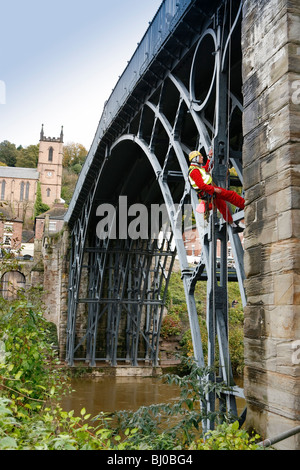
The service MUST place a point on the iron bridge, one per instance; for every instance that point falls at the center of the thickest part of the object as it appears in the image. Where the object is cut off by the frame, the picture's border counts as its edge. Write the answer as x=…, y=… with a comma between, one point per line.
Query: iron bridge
x=181, y=91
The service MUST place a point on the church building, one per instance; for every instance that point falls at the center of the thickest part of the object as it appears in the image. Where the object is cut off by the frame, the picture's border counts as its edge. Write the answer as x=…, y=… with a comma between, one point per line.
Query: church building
x=19, y=186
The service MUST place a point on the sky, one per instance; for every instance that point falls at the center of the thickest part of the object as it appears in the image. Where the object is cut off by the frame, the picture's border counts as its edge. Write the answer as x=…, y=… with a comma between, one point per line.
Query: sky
x=59, y=62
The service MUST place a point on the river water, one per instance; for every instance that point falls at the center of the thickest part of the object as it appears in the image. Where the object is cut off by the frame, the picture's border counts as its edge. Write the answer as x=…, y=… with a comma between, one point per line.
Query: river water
x=110, y=394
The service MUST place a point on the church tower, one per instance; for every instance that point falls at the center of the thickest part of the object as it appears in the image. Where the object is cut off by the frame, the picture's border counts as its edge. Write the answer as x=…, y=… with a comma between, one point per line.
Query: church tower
x=50, y=167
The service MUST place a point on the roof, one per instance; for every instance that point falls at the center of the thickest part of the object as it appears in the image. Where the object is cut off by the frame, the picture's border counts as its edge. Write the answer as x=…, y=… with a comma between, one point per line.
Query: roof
x=57, y=212
x=19, y=173
x=27, y=236
x=6, y=214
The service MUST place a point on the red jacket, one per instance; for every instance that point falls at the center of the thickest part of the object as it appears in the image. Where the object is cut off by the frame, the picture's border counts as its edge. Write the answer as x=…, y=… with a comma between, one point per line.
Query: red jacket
x=196, y=176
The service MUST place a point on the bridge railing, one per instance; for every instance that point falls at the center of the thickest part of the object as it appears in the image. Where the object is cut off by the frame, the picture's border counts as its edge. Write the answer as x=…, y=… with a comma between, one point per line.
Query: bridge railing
x=164, y=21
x=159, y=29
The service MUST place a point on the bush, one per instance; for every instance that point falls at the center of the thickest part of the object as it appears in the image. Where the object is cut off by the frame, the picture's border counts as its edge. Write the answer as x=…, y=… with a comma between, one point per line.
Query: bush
x=227, y=437
x=170, y=326
x=29, y=375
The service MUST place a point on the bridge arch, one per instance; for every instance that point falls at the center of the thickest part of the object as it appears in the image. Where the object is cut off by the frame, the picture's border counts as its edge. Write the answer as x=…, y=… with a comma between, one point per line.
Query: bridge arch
x=117, y=285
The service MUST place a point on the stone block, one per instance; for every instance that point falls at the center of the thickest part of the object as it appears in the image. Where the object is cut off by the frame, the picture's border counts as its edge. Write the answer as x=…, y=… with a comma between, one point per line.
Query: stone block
x=281, y=322
x=272, y=256
x=273, y=392
x=287, y=289
x=261, y=353
x=261, y=232
x=270, y=101
x=252, y=261
x=288, y=225
x=280, y=162
x=295, y=123
x=254, y=192
x=254, y=321
x=250, y=213
x=287, y=198
x=252, y=175
x=266, y=76
x=266, y=209
x=278, y=130
x=265, y=423
x=255, y=144
x=260, y=290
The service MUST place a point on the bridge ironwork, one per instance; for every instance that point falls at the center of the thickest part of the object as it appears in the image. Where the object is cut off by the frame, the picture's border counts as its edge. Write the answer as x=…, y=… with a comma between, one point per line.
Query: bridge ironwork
x=181, y=91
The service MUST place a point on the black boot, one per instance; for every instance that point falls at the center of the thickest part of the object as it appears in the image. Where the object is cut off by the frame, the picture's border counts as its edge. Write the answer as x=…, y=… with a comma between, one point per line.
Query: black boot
x=236, y=228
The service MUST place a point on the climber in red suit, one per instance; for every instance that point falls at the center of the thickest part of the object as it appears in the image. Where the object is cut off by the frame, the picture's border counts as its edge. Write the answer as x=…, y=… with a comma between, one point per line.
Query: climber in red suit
x=201, y=181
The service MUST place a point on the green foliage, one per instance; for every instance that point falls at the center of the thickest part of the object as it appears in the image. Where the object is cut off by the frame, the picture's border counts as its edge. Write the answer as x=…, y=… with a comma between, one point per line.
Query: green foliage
x=77, y=168
x=39, y=206
x=28, y=157
x=176, y=304
x=28, y=375
x=54, y=429
x=69, y=180
x=74, y=154
x=227, y=437
x=170, y=326
x=8, y=153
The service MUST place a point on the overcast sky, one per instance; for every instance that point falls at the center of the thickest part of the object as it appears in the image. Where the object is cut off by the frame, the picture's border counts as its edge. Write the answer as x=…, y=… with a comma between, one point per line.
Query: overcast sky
x=60, y=60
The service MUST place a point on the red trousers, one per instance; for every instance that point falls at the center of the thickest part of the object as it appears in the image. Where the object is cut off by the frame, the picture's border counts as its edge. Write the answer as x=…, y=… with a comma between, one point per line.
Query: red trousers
x=227, y=196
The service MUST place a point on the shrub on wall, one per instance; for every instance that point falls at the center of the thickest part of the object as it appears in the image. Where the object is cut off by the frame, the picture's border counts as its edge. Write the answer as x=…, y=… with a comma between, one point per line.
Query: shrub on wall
x=39, y=206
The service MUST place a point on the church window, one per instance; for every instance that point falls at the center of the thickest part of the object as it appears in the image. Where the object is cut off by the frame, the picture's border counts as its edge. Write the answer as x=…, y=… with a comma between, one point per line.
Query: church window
x=22, y=186
x=50, y=154
x=3, y=190
x=27, y=191
x=48, y=191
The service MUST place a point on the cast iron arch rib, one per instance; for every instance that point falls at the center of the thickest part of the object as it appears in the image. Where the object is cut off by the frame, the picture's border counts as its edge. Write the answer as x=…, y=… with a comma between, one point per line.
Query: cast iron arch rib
x=117, y=285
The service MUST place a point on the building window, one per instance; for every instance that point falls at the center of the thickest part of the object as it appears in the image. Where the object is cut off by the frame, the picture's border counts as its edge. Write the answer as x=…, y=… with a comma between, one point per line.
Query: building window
x=6, y=241
x=7, y=234
x=22, y=186
x=50, y=154
x=48, y=192
x=27, y=191
x=3, y=190
x=52, y=226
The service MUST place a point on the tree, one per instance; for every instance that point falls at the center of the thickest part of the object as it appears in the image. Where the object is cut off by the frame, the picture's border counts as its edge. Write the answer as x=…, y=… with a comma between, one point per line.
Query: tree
x=74, y=154
x=69, y=180
x=8, y=153
x=28, y=157
x=39, y=206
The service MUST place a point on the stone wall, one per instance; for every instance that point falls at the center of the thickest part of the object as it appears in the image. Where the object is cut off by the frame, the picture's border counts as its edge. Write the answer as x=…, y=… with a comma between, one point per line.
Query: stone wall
x=51, y=256
x=271, y=156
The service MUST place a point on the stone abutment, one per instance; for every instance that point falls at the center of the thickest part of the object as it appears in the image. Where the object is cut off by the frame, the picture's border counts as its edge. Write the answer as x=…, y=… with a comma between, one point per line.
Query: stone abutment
x=271, y=157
